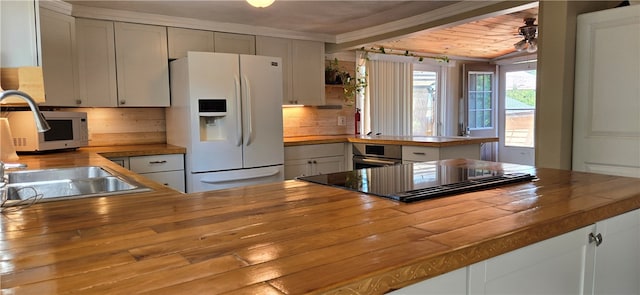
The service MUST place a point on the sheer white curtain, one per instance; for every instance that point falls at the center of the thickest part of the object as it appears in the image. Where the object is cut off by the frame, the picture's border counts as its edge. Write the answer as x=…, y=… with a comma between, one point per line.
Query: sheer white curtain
x=388, y=100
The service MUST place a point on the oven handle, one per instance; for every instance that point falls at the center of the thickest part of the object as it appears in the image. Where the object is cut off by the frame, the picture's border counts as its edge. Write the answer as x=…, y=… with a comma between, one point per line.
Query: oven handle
x=375, y=161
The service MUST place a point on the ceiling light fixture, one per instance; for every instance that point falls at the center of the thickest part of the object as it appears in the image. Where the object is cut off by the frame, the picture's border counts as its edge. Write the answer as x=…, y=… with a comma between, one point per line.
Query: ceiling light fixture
x=260, y=3
x=529, y=31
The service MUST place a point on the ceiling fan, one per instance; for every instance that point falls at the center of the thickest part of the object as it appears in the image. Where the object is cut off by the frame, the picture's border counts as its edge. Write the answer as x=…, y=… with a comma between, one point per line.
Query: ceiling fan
x=529, y=31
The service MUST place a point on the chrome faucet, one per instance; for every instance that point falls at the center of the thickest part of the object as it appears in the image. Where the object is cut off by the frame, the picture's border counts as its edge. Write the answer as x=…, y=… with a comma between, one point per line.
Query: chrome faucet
x=41, y=125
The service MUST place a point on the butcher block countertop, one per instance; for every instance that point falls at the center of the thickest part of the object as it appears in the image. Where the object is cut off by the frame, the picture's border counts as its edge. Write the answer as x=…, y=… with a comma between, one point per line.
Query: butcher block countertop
x=290, y=237
x=432, y=141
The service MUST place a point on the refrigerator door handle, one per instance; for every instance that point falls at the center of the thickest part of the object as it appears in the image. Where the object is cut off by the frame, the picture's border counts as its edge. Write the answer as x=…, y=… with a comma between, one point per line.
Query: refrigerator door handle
x=236, y=81
x=229, y=179
x=249, y=109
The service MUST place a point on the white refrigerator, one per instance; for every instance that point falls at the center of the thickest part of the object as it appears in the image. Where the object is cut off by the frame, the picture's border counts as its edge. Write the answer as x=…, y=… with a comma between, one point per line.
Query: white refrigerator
x=226, y=110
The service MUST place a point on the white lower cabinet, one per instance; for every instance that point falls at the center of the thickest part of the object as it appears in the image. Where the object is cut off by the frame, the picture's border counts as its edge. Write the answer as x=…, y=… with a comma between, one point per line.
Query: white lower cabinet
x=603, y=258
x=613, y=267
x=313, y=159
x=164, y=169
x=412, y=154
x=553, y=266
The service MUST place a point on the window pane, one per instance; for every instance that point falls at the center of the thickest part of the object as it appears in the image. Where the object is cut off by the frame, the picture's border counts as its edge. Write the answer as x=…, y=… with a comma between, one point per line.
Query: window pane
x=480, y=100
x=424, y=103
x=520, y=108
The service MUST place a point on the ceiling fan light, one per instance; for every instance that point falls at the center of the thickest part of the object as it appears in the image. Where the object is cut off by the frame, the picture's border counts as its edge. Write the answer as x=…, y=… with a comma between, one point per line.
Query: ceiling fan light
x=520, y=45
x=260, y=3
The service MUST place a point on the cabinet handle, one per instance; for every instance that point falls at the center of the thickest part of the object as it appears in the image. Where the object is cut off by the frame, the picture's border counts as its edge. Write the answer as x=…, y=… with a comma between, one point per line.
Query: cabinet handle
x=157, y=162
x=308, y=162
x=122, y=102
x=78, y=102
x=314, y=162
x=419, y=153
x=595, y=238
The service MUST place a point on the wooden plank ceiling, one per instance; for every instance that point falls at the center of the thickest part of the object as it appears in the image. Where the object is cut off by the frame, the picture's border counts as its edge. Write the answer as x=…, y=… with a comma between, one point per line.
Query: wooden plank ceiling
x=486, y=38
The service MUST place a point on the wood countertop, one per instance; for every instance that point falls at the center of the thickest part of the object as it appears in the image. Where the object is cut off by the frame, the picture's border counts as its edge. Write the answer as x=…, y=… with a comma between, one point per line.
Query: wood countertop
x=432, y=141
x=290, y=237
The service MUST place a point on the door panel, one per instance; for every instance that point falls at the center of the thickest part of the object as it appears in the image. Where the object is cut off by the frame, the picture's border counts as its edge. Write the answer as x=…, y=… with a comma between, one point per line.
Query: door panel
x=479, y=89
x=262, y=110
x=517, y=113
x=217, y=141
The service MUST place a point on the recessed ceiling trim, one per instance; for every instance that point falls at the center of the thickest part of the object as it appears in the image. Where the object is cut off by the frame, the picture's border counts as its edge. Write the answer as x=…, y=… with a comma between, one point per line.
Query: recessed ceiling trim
x=183, y=22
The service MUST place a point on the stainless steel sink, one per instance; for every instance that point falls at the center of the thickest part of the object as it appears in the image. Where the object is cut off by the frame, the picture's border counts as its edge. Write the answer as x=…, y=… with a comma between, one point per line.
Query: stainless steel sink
x=65, y=183
x=57, y=174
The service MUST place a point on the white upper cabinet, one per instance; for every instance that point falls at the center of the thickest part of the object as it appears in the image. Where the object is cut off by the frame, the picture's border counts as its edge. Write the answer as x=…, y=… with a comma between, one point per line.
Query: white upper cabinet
x=59, y=67
x=96, y=63
x=183, y=40
x=19, y=34
x=235, y=43
x=142, y=65
x=308, y=72
x=303, y=68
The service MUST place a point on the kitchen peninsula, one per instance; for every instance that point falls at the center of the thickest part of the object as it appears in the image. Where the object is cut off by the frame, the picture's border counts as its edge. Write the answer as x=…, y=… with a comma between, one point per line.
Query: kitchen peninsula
x=289, y=237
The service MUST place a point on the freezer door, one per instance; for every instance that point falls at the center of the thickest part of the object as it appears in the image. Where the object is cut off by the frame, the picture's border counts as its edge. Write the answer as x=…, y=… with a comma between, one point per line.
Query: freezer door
x=200, y=182
x=216, y=141
x=262, y=114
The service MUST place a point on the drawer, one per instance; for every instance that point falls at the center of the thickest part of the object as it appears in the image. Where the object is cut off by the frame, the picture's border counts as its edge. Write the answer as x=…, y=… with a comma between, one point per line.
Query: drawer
x=420, y=153
x=313, y=151
x=156, y=163
x=172, y=179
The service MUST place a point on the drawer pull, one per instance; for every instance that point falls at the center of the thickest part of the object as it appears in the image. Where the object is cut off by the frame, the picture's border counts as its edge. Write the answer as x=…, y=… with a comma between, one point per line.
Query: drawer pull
x=158, y=162
x=419, y=153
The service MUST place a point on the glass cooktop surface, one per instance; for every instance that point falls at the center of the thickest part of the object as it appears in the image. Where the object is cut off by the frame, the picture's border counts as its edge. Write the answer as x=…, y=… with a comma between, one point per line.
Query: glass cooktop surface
x=418, y=181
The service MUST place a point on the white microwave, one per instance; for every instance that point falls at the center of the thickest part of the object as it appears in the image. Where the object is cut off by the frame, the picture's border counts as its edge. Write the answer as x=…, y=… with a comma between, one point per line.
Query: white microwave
x=68, y=131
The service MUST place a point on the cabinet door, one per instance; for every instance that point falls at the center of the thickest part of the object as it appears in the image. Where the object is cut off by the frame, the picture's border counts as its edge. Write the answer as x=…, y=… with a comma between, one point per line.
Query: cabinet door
x=614, y=265
x=279, y=47
x=328, y=165
x=142, y=65
x=296, y=168
x=19, y=34
x=96, y=63
x=307, y=60
x=235, y=43
x=59, y=68
x=553, y=266
x=183, y=40
x=172, y=179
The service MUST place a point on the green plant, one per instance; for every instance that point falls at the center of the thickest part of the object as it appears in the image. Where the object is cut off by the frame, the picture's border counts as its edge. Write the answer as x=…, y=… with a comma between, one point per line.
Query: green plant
x=352, y=86
x=331, y=72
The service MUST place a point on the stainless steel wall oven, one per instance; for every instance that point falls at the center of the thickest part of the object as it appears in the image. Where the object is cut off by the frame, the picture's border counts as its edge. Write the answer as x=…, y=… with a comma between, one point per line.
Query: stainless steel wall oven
x=376, y=155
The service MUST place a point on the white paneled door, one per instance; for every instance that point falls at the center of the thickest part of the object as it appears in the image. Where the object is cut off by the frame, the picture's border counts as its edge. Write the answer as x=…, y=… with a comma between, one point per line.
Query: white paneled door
x=606, y=134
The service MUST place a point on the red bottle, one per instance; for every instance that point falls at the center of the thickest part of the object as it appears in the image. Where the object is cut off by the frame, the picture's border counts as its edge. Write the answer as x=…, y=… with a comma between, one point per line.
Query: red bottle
x=357, y=118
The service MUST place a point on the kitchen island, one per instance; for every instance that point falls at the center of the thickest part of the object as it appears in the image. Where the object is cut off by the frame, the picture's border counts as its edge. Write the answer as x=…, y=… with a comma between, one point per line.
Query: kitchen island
x=290, y=237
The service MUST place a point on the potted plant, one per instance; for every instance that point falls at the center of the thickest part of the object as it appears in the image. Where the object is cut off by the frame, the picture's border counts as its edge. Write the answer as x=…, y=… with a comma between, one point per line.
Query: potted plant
x=332, y=73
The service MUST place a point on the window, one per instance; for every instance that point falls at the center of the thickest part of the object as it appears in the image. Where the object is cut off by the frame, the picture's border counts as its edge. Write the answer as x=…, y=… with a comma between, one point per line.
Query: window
x=480, y=100
x=424, y=108
x=520, y=108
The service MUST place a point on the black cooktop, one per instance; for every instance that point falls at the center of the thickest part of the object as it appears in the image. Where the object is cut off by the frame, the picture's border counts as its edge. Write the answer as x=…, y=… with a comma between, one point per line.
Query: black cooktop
x=418, y=181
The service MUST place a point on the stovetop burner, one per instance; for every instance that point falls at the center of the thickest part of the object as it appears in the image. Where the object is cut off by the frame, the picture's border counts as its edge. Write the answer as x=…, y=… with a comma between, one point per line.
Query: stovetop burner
x=418, y=181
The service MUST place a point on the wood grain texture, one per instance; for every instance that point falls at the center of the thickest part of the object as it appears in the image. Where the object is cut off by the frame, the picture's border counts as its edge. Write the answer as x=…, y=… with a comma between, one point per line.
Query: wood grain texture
x=432, y=141
x=290, y=237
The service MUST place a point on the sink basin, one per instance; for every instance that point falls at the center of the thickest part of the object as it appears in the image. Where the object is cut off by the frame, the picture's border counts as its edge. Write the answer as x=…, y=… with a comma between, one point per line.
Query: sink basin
x=65, y=183
x=57, y=174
